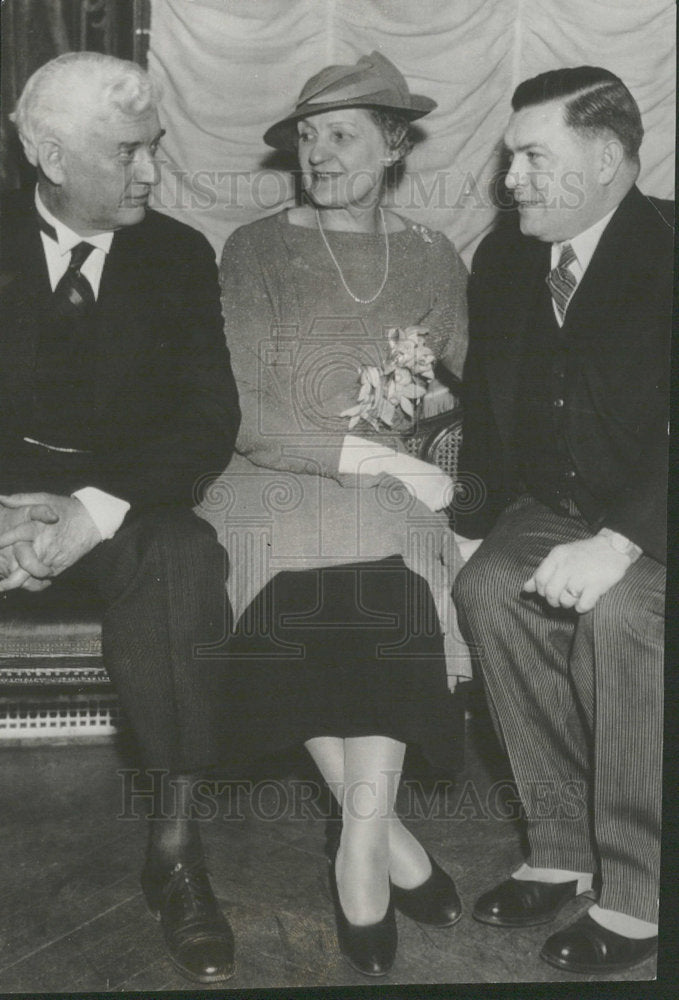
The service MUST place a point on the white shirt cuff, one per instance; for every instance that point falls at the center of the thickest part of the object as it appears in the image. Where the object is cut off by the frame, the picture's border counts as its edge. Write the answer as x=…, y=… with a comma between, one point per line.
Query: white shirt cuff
x=106, y=511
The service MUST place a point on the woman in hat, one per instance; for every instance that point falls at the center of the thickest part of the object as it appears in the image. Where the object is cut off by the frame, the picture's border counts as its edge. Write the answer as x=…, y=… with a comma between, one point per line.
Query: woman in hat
x=348, y=656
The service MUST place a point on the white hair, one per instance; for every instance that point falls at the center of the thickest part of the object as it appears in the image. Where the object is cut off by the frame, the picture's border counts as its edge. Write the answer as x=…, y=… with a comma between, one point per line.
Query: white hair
x=75, y=83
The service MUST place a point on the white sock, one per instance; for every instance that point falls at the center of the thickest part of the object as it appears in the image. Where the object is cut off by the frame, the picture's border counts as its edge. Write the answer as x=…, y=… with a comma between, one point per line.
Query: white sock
x=622, y=923
x=553, y=876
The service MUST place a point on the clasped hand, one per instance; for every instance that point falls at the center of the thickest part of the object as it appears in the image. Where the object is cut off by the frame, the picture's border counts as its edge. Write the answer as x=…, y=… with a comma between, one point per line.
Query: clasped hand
x=41, y=535
x=576, y=574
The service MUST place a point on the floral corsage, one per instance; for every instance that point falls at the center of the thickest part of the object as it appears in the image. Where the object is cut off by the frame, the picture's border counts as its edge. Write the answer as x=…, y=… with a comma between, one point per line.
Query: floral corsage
x=388, y=395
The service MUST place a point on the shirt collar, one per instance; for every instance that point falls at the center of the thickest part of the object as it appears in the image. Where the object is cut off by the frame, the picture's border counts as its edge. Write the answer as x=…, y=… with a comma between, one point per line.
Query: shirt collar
x=66, y=237
x=584, y=244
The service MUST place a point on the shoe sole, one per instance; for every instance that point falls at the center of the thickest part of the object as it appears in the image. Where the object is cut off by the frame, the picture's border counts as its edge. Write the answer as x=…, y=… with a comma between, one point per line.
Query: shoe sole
x=221, y=978
x=428, y=923
x=594, y=969
x=496, y=922
x=363, y=972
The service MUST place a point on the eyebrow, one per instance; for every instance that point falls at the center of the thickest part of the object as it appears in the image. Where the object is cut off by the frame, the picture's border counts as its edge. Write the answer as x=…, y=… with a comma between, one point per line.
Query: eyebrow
x=524, y=147
x=135, y=145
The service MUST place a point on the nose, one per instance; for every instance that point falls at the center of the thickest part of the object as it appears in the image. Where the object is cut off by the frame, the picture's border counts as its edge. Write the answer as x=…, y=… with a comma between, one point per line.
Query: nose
x=145, y=167
x=317, y=151
x=515, y=176
x=512, y=175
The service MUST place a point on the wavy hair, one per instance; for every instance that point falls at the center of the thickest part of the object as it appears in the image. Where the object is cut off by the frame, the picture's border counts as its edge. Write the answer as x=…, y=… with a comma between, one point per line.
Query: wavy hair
x=49, y=102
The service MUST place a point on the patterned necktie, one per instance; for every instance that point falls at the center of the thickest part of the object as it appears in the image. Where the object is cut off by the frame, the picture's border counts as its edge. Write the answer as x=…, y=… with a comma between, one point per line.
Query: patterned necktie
x=73, y=295
x=562, y=281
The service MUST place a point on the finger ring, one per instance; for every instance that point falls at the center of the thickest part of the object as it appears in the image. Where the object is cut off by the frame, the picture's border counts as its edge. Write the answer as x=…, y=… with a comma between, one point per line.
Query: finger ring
x=572, y=593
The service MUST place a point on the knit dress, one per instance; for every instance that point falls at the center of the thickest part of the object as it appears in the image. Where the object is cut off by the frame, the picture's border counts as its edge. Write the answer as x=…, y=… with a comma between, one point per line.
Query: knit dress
x=331, y=575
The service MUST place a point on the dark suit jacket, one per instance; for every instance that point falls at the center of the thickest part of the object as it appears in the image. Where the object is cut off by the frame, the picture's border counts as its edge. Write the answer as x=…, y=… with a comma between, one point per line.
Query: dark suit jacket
x=166, y=407
x=618, y=325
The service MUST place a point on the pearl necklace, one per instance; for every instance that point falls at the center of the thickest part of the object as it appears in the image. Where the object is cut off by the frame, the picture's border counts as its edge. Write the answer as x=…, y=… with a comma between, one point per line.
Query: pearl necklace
x=379, y=291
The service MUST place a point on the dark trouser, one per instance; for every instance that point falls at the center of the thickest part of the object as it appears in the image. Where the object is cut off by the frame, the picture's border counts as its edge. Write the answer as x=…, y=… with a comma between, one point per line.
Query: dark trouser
x=578, y=702
x=162, y=580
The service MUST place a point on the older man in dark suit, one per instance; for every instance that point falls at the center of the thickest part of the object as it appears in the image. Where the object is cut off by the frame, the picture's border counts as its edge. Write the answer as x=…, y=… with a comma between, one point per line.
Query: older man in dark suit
x=117, y=403
x=566, y=428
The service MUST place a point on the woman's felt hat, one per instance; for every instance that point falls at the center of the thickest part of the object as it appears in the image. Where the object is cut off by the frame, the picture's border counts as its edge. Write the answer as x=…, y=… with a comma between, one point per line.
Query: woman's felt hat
x=373, y=82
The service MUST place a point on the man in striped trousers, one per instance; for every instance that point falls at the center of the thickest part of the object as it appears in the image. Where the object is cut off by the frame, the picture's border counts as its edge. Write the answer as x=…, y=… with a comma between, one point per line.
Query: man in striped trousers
x=566, y=436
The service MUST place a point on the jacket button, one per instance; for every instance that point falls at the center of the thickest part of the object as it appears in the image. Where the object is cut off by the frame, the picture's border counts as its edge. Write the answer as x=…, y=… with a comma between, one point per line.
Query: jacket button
x=558, y=403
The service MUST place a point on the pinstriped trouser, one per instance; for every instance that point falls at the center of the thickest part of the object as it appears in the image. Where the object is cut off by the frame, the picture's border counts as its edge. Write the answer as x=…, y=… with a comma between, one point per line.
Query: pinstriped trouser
x=577, y=701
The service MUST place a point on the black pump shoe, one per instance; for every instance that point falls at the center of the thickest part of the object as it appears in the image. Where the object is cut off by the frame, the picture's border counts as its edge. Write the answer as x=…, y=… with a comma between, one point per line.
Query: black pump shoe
x=369, y=948
x=198, y=936
x=435, y=902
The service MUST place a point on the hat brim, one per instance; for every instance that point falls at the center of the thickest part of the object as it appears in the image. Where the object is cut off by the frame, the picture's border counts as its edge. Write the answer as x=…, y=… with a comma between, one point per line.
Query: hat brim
x=281, y=135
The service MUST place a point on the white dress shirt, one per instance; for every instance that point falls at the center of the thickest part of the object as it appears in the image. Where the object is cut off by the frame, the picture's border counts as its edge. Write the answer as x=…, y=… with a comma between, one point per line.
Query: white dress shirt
x=584, y=245
x=58, y=255
x=106, y=511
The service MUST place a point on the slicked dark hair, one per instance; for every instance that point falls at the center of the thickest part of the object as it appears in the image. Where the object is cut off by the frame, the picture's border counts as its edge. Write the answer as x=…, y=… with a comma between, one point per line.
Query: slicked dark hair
x=597, y=101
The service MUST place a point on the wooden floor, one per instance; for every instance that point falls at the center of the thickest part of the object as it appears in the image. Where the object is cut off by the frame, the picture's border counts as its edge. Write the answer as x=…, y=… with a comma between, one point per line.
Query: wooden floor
x=73, y=918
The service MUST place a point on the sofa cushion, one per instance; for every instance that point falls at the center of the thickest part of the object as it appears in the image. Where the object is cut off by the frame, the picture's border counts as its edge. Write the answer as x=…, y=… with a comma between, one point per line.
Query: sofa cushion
x=62, y=621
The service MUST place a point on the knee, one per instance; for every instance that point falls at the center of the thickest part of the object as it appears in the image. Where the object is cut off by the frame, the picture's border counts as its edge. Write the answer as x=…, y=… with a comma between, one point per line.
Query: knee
x=175, y=538
x=189, y=541
x=628, y=606
x=490, y=578
x=466, y=585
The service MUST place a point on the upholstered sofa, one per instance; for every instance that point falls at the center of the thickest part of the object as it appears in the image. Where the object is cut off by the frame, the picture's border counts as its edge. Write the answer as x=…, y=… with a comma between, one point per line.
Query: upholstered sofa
x=52, y=678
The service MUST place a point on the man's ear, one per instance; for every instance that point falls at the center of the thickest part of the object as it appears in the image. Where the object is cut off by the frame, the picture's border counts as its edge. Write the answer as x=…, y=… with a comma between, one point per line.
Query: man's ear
x=49, y=157
x=612, y=155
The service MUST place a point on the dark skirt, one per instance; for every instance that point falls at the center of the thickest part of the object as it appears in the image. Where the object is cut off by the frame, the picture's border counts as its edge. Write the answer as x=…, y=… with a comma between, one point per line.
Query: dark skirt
x=342, y=651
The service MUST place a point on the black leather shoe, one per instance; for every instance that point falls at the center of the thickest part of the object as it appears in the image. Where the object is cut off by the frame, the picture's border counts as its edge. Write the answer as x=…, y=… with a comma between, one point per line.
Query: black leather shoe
x=435, y=902
x=586, y=946
x=369, y=948
x=198, y=936
x=515, y=903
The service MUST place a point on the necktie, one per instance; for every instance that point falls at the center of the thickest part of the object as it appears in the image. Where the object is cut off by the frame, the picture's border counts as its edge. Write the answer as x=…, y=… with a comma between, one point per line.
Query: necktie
x=73, y=295
x=561, y=280
x=65, y=358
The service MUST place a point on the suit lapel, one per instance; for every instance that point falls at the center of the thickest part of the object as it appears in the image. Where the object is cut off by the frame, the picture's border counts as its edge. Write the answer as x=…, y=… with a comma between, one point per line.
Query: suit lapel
x=597, y=295
x=125, y=310
x=25, y=307
x=513, y=306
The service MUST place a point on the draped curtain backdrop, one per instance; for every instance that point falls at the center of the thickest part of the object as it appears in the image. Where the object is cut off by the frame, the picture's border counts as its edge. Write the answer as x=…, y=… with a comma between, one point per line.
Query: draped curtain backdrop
x=229, y=68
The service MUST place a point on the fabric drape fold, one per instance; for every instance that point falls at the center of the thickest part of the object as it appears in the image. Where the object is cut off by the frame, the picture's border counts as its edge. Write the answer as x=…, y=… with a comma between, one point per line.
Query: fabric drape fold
x=229, y=68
